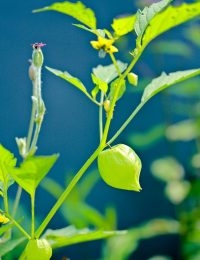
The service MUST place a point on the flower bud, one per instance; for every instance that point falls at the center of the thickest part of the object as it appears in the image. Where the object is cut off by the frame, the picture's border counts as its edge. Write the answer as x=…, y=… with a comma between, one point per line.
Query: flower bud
x=39, y=249
x=133, y=79
x=37, y=57
x=21, y=143
x=120, y=167
x=106, y=105
x=31, y=72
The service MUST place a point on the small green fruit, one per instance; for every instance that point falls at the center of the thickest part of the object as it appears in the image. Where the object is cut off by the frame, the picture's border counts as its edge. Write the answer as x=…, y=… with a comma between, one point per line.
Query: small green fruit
x=37, y=249
x=132, y=78
x=120, y=167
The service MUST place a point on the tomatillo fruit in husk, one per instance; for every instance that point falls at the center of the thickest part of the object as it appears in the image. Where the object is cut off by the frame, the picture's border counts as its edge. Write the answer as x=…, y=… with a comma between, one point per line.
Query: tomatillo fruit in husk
x=37, y=249
x=120, y=167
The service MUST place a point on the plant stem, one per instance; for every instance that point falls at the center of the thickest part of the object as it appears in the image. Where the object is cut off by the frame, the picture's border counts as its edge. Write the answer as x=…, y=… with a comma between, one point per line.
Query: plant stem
x=18, y=226
x=91, y=159
x=130, y=118
x=32, y=121
x=33, y=216
x=101, y=116
x=17, y=200
x=115, y=64
x=67, y=192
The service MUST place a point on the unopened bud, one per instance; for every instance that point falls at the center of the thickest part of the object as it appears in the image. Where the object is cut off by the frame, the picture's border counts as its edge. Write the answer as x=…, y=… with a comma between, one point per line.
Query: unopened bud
x=37, y=55
x=106, y=105
x=133, y=79
x=31, y=72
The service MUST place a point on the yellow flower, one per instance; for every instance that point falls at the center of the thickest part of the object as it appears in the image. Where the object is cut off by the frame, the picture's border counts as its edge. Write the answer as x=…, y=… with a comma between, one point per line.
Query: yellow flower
x=104, y=44
x=3, y=219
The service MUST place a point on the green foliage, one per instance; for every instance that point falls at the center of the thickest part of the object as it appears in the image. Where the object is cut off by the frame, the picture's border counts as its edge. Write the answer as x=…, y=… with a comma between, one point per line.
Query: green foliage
x=7, y=162
x=123, y=25
x=172, y=47
x=6, y=247
x=169, y=18
x=69, y=78
x=146, y=139
x=109, y=73
x=76, y=10
x=113, y=88
x=120, y=167
x=165, y=81
x=37, y=249
x=32, y=171
x=100, y=84
x=167, y=169
x=70, y=235
x=186, y=130
x=121, y=247
x=144, y=17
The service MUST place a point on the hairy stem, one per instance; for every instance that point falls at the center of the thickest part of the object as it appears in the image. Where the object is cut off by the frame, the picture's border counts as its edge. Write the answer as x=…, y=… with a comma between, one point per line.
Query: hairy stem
x=101, y=116
x=33, y=216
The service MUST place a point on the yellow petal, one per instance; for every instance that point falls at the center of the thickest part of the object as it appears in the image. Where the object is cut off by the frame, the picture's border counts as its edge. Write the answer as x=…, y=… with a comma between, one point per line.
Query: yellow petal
x=95, y=44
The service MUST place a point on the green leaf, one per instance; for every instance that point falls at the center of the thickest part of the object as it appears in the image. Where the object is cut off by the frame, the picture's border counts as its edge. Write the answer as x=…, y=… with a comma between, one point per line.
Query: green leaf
x=165, y=81
x=176, y=191
x=70, y=235
x=167, y=169
x=123, y=25
x=169, y=18
x=146, y=15
x=5, y=228
x=172, y=47
x=146, y=139
x=77, y=10
x=186, y=130
x=10, y=245
x=69, y=78
x=102, y=85
x=109, y=73
x=113, y=87
x=7, y=162
x=32, y=171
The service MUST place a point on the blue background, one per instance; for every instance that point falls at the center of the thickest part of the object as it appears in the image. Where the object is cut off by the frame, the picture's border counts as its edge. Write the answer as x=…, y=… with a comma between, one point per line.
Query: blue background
x=71, y=123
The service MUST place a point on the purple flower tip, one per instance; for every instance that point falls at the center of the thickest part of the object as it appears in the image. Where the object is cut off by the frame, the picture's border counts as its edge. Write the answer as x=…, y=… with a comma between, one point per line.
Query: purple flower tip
x=38, y=45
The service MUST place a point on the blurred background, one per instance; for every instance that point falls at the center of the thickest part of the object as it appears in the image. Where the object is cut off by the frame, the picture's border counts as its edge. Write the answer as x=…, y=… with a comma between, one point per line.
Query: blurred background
x=165, y=134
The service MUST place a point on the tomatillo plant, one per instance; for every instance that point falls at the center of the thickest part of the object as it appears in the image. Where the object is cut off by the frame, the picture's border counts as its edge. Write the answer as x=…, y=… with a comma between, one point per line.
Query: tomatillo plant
x=119, y=165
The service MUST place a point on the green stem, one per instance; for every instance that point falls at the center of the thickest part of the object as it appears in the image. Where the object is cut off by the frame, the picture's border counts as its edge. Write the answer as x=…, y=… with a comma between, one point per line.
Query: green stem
x=130, y=118
x=18, y=226
x=17, y=200
x=67, y=191
x=80, y=173
x=33, y=216
x=32, y=120
x=5, y=200
x=115, y=64
x=101, y=116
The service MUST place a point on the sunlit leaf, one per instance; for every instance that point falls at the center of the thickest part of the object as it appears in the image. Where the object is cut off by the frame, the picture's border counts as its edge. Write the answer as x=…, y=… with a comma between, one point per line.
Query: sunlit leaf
x=77, y=10
x=167, y=169
x=165, y=81
x=70, y=235
x=123, y=25
x=186, y=130
x=69, y=78
x=113, y=87
x=32, y=171
x=108, y=73
x=169, y=18
x=7, y=162
x=144, y=17
x=102, y=85
x=9, y=245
